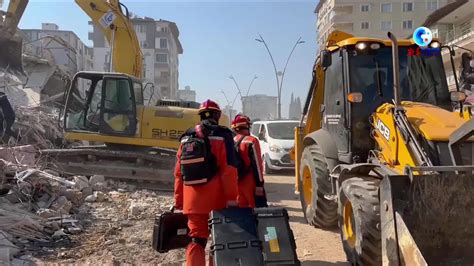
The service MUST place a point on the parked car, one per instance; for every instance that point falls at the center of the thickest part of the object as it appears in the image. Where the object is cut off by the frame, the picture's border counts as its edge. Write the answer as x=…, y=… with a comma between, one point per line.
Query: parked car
x=276, y=140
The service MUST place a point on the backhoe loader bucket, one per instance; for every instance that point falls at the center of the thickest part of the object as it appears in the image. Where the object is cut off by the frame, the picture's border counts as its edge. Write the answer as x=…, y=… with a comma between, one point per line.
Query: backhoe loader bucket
x=10, y=56
x=428, y=219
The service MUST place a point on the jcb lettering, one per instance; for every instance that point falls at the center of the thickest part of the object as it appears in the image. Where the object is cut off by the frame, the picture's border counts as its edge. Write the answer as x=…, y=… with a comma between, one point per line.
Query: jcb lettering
x=383, y=129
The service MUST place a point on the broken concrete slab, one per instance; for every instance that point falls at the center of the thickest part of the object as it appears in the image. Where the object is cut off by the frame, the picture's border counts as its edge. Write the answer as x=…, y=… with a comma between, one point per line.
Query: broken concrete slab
x=81, y=182
x=72, y=195
x=91, y=198
x=100, y=196
x=62, y=205
x=96, y=179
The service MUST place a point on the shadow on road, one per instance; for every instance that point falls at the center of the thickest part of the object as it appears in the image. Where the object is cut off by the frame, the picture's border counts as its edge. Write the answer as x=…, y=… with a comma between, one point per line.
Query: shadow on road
x=324, y=263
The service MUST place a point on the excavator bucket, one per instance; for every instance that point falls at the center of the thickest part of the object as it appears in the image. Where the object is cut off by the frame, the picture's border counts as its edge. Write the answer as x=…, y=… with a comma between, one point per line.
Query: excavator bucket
x=426, y=215
x=11, y=42
x=10, y=56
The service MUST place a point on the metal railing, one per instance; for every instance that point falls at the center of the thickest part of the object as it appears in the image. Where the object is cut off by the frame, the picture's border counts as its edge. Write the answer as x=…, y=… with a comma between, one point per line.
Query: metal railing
x=456, y=35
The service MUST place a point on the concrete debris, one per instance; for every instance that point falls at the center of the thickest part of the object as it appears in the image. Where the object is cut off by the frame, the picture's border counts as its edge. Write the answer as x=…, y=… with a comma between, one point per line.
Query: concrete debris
x=72, y=220
x=74, y=196
x=136, y=208
x=96, y=179
x=7, y=248
x=91, y=198
x=62, y=205
x=47, y=213
x=87, y=191
x=81, y=182
x=100, y=196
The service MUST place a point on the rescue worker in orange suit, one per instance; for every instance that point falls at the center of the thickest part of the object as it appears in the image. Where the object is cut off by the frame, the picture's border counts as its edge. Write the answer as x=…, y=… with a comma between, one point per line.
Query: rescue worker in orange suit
x=205, y=177
x=251, y=183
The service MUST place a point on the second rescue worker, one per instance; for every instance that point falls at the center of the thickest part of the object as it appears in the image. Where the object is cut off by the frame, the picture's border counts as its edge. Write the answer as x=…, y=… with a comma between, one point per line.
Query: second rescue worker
x=205, y=177
x=251, y=189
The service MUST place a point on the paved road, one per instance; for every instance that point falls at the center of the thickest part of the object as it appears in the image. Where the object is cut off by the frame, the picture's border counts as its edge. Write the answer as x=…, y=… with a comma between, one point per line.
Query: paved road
x=315, y=246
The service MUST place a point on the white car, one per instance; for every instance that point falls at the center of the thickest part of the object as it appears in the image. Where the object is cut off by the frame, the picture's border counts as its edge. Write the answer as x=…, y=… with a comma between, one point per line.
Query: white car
x=276, y=140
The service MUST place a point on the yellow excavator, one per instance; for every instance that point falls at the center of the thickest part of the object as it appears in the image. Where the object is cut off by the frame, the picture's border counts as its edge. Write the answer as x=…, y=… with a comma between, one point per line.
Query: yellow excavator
x=108, y=107
x=380, y=152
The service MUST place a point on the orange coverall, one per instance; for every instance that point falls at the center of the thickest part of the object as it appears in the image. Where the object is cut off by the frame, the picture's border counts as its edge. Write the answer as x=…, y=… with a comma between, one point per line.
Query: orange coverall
x=198, y=201
x=247, y=184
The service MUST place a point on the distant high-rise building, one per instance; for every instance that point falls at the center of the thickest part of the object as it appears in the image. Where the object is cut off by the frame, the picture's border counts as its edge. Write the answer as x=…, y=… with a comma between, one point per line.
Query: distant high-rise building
x=372, y=18
x=187, y=94
x=229, y=111
x=295, y=108
x=61, y=47
x=160, y=47
x=259, y=106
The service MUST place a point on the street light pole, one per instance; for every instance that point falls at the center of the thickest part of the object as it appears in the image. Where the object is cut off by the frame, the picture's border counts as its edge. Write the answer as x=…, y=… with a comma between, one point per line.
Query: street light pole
x=240, y=92
x=277, y=74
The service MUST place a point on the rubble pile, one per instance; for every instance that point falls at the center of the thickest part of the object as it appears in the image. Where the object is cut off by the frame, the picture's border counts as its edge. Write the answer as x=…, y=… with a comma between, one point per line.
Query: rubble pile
x=45, y=218
x=38, y=126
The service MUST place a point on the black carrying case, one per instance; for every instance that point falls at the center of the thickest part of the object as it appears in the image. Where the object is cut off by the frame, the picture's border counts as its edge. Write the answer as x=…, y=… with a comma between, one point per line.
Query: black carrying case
x=235, y=238
x=278, y=242
x=170, y=231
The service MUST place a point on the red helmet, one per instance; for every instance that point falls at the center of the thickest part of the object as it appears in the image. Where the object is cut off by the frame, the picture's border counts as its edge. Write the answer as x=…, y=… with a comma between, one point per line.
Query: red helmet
x=241, y=121
x=209, y=106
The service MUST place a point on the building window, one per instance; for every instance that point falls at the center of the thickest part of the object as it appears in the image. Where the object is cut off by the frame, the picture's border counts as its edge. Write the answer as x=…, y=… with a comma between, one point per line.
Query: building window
x=386, y=25
x=407, y=24
x=163, y=43
x=364, y=8
x=162, y=58
x=140, y=28
x=431, y=5
x=364, y=25
x=407, y=6
x=164, y=74
x=386, y=8
x=143, y=44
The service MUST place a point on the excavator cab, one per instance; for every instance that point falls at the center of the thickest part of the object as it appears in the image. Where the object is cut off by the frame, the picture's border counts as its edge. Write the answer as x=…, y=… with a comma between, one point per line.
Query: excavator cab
x=104, y=103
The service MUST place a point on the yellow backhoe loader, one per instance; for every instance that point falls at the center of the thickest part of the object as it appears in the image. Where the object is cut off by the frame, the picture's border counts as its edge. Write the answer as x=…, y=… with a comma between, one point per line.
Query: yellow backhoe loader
x=381, y=153
x=109, y=107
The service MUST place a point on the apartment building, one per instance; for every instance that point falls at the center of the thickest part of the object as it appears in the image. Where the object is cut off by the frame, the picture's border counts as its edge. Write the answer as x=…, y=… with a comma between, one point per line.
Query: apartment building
x=160, y=47
x=372, y=18
x=454, y=26
x=259, y=106
x=60, y=47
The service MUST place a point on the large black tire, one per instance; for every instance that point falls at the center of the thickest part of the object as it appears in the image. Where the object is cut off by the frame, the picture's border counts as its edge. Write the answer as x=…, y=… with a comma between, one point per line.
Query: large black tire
x=318, y=211
x=359, y=220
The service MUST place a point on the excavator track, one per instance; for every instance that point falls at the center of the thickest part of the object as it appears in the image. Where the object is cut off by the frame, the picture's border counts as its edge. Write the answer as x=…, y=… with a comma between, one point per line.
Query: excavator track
x=147, y=165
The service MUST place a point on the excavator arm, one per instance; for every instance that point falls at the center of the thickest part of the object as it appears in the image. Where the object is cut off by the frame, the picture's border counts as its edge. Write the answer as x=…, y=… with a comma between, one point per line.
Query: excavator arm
x=113, y=19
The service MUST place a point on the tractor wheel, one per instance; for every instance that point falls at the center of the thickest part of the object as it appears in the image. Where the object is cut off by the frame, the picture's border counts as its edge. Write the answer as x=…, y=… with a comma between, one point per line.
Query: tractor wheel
x=314, y=183
x=359, y=220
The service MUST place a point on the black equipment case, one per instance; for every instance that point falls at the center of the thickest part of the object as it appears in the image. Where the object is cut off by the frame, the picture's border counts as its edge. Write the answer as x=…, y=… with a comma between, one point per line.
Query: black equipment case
x=170, y=232
x=234, y=237
x=278, y=242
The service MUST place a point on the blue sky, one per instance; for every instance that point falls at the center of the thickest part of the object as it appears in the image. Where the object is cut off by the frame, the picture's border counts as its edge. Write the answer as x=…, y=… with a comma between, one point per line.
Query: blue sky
x=218, y=38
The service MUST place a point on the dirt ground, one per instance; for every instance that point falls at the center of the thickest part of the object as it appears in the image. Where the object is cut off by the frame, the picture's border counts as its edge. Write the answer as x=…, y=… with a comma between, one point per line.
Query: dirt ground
x=314, y=246
x=112, y=235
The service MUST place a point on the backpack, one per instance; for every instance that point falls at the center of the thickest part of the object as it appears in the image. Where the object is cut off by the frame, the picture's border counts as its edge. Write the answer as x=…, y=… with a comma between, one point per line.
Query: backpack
x=242, y=169
x=198, y=164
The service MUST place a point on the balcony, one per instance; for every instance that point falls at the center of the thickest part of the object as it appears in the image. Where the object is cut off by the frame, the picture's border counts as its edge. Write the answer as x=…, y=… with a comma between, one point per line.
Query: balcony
x=457, y=35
